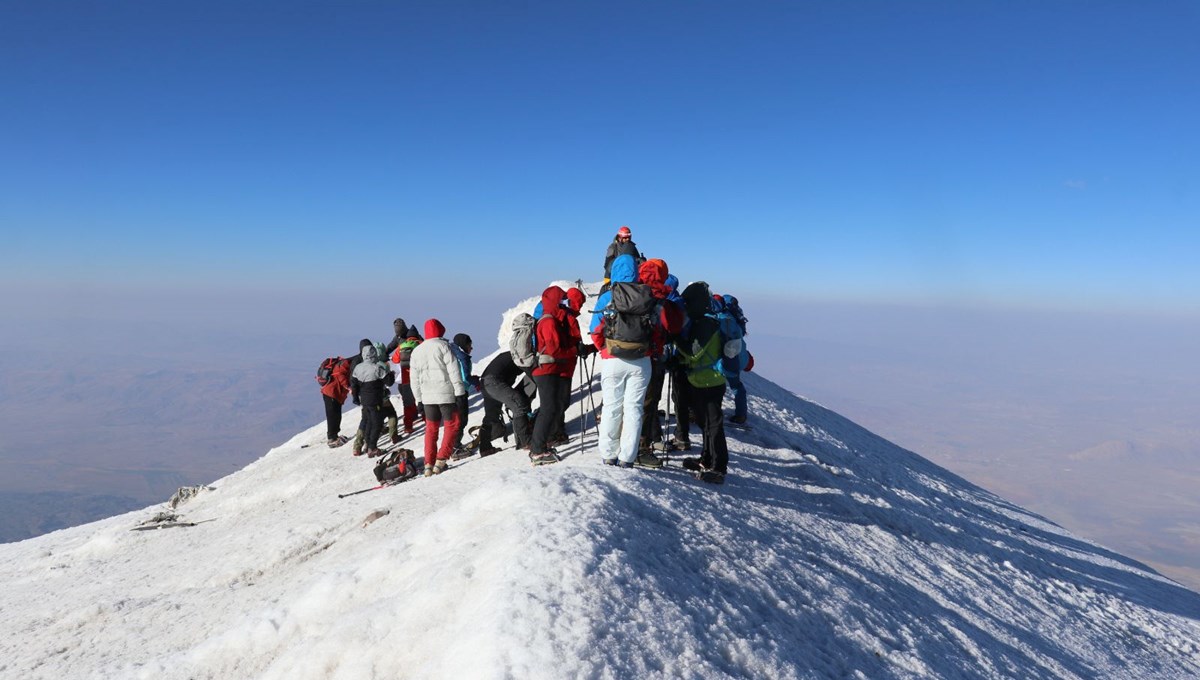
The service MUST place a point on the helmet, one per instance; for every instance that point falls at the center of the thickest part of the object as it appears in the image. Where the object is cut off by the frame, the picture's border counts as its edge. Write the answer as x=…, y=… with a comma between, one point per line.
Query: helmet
x=624, y=231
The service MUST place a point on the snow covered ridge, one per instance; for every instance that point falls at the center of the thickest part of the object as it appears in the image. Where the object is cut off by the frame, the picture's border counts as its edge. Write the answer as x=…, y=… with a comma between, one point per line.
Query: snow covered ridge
x=829, y=552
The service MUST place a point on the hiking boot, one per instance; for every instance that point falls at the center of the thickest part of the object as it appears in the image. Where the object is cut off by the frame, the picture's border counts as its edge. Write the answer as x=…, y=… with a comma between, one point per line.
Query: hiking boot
x=429, y=471
x=648, y=460
x=395, y=438
x=561, y=439
x=358, y=452
x=623, y=464
x=336, y=442
x=543, y=458
x=440, y=467
x=740, y=420
x=712, y=477
x=694, y=464
x=681, y=444
x=374, y=453
x=461, y=452
x=609, y=461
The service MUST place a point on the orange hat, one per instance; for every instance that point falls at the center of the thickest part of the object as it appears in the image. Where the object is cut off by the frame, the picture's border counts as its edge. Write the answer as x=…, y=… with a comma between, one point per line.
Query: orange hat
x=624, y=231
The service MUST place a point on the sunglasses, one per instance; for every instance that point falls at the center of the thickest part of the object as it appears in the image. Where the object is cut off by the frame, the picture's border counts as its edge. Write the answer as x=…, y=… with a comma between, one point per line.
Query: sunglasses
x=624, y=238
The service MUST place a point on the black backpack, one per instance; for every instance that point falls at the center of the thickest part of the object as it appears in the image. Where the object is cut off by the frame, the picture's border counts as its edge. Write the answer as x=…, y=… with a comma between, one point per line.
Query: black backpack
x=629, y=320
x=398, y=465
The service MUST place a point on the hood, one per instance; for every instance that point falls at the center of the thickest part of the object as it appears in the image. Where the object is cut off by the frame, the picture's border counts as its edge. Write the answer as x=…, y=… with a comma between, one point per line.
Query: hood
x=697, y=300
x=623, y=269
x=653, y=273
x=370, y=354
x=434, y=329
x=363, y=343
x=575, y=298
x=552, y=298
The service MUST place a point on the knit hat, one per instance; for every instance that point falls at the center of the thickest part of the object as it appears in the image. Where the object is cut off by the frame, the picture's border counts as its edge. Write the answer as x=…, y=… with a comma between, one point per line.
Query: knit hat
x=463, y=341
x=697, y=299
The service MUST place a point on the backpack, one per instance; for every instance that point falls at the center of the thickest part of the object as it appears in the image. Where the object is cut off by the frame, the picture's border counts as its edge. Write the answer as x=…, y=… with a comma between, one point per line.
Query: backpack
x=733, y=348
x=325, y=370
x=397, y=465
x=403, y=353
x=629, y=320
x=523, y=343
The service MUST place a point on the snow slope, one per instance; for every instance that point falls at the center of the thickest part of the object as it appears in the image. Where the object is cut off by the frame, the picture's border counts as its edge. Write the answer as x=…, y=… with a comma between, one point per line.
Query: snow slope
x=828, y=553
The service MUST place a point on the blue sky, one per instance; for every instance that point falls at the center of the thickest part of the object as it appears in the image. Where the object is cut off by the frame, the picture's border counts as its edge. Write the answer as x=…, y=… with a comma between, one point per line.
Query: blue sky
x=1025, y=153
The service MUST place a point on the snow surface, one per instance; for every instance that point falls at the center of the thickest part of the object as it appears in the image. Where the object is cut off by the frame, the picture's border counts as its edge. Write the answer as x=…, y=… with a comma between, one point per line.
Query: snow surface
x=828, y=553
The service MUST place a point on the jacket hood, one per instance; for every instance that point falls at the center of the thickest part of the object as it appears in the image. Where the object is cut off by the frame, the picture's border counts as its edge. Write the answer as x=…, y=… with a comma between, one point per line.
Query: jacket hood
x=697, y=300
x=434, y=329
x=363, y=343
x=623, y=269
x=672, y=282
x=575, y=298
x=369, y=353
x=653, y=273
x=552, y=299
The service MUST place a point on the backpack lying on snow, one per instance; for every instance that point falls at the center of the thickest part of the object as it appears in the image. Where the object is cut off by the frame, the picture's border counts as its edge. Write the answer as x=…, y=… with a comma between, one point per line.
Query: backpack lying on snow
x=522, y=342
x=397, y=466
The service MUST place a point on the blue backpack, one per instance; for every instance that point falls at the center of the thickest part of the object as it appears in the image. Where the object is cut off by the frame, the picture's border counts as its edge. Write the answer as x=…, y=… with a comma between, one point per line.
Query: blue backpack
x=733, y=354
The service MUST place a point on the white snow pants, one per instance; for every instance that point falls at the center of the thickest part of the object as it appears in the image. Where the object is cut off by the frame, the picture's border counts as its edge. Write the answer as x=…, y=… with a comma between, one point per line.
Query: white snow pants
x=623, y=383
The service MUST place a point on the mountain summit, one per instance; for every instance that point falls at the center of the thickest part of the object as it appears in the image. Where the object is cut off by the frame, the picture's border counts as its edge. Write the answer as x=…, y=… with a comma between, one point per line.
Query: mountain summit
x=828, y=553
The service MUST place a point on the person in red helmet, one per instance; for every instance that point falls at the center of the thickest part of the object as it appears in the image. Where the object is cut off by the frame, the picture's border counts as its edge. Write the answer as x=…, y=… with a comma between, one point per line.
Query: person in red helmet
x=622, y=244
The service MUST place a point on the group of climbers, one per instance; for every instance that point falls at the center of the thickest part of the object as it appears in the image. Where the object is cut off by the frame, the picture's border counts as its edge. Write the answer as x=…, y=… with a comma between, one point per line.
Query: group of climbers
x=435, y=375
x=647, y=333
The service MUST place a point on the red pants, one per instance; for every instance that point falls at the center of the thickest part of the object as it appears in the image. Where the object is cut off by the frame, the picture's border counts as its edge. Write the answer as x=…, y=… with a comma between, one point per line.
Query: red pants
x=437, y=416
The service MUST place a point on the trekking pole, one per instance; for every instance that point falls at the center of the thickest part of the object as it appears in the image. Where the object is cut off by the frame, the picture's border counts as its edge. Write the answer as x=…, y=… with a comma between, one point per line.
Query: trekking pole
x=591, y=395
x=670, y=398
x=355, y=493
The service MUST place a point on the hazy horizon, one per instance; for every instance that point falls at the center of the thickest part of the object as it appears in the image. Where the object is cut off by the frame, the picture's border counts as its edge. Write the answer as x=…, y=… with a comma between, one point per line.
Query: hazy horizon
x=1010, y=399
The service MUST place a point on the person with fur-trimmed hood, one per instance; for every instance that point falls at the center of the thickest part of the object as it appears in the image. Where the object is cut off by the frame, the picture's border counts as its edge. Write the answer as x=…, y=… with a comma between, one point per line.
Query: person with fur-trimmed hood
x=369, y=384
x=437, y=383
x=557, y=352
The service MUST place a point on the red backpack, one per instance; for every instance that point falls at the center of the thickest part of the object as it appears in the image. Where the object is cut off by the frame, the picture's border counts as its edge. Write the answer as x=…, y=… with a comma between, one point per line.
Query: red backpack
x=325, y=370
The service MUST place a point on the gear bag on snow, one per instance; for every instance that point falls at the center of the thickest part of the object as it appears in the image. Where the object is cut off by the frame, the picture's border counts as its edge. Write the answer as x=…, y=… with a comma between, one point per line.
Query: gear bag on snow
x=397, y=464
x=629, y=320
x=522, y=341
x=325, y=370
